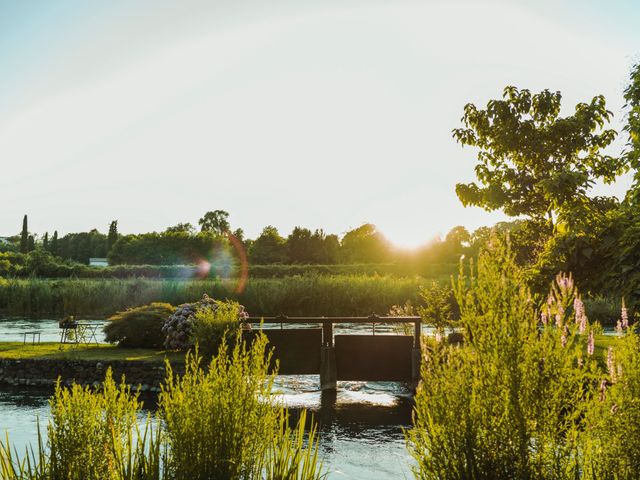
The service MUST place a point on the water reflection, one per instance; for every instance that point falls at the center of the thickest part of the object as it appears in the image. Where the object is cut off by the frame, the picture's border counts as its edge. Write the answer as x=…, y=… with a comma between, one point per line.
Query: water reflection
x=12, y=329
x=361, y=425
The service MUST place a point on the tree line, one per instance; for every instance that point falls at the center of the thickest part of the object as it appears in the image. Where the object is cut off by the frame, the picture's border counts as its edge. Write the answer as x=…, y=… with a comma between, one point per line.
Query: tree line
x=183, y=244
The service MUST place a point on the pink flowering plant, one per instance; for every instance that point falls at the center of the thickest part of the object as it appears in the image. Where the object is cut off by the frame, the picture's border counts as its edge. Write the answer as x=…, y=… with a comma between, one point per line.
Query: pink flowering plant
x=202, y=322
x=613, y=420
x=511, y=401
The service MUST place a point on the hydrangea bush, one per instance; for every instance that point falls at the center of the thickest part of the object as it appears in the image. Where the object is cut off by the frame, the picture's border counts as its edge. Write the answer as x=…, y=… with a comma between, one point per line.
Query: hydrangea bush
x=179, y=327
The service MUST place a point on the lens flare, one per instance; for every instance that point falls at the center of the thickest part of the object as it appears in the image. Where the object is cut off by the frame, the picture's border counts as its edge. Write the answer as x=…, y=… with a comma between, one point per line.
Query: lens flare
x=202, y=269
x=242, y=259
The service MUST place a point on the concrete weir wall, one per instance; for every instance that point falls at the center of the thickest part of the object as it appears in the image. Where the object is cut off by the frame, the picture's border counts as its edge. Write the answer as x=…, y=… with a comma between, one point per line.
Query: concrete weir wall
x=44, y=372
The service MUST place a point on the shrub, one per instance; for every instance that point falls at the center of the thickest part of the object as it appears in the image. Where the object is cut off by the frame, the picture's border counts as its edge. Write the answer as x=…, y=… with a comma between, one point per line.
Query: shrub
x=510, y=402
x=88, y=429
x=178, y=328
x=139, y=327
x=205, y=321
x=613, y=422
x=224, y=423
x=212, y=324
x=438, y=306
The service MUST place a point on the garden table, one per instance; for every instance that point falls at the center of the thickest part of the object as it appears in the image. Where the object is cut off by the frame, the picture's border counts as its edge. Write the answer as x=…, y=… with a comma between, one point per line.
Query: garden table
x=80, y=332
x=34, y=334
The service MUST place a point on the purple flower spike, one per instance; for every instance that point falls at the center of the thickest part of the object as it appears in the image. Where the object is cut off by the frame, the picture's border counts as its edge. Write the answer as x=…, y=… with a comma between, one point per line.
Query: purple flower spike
x=591, y=344
x=610, y=365
x=603, y=389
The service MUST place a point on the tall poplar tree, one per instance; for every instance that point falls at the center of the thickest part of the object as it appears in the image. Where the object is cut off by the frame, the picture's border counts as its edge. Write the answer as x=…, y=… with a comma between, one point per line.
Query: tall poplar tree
x=45, y=241
x=54, y=243
x=112, y=237
x=24, y=236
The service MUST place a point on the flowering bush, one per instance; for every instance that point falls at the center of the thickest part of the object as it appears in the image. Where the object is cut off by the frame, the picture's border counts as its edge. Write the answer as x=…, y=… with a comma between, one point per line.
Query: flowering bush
x=510, y=402
x=180, y=328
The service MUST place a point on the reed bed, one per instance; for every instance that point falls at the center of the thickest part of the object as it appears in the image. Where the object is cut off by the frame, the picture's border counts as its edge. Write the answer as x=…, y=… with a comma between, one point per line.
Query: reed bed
x=303, y=295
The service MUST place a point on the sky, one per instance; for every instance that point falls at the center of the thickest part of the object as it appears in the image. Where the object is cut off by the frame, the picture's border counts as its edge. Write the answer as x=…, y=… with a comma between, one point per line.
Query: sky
x=325, y=114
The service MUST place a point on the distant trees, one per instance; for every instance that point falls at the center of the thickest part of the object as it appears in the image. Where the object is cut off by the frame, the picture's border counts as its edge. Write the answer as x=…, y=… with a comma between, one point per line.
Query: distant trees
x=53, y=247
x=182, y=228
x=533, y=162
x=82, y=246
x=169, y=248
x=305, y=247
x=268, y=248
x=181, y=244
x=216, y=222
x=364, y=245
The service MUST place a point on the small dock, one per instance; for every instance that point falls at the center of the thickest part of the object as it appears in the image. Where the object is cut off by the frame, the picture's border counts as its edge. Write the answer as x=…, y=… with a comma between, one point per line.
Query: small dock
x=361, y=357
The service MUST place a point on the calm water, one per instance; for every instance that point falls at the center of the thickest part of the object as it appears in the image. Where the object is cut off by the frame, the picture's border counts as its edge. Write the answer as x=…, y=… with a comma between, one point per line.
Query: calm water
x=361, y=426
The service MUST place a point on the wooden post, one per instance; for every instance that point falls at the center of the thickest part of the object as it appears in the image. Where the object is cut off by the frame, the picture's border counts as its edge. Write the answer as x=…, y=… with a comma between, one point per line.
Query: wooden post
x=328, y=372
x=416, y=354
x=327, y=334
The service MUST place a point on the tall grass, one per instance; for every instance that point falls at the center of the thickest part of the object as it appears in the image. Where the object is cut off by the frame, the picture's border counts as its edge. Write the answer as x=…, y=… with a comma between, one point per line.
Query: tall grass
x=225, y=424
x=222, y=423
x=87, y=430
x=524, y=396
x=305, y=295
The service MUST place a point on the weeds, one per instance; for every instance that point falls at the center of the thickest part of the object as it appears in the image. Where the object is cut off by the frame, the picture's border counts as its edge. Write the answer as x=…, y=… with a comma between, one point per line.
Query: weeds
x=222, y=423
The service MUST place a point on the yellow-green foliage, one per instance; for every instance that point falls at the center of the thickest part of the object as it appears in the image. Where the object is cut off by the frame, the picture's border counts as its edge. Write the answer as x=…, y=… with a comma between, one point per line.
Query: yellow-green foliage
x=613, y=422
x=139, y=327
x=510, y=402
x=87, y=429
x=211, y=325
x=224, y=423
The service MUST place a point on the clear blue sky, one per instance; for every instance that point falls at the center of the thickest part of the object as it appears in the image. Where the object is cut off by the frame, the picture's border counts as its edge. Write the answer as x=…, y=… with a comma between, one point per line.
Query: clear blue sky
x=325, y=114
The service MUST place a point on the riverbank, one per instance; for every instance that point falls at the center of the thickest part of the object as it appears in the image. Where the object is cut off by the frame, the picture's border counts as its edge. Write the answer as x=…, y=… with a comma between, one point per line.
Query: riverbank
x=42, y=364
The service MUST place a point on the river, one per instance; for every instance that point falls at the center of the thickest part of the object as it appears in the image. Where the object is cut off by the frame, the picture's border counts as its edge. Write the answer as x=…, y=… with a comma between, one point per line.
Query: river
x=361, y=425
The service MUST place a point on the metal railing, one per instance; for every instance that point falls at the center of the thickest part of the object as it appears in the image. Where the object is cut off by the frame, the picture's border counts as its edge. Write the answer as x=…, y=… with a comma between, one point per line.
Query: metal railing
x=328, y=322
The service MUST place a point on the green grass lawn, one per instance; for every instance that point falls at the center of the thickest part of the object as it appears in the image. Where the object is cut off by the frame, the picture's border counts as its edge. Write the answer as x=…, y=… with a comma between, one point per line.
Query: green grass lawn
x=54, y=350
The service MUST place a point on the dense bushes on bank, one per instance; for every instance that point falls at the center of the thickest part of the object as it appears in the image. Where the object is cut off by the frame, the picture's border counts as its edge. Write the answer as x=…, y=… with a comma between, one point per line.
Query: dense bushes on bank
x=525, y=396
x=41, y=264
x=139, y=327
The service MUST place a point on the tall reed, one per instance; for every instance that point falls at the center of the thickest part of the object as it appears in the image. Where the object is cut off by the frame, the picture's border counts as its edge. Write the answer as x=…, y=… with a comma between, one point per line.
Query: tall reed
x=222, y=423
x=305, y=295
